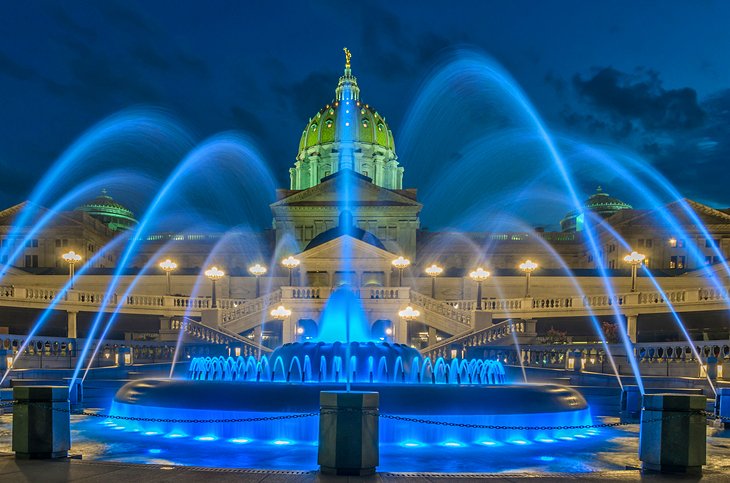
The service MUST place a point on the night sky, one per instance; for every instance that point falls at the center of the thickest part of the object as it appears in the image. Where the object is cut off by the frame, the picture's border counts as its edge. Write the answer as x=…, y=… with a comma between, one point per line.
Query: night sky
x=653, y=77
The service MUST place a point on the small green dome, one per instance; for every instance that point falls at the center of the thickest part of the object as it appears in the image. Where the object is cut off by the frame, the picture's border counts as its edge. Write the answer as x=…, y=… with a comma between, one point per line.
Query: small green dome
x=114, y=215
x=599, y=203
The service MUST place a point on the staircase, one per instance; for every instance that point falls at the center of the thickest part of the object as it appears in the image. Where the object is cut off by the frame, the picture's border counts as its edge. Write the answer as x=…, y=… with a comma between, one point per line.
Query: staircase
x=503, y=333
x=249, y=314
x=442, y=315
x=203, y=333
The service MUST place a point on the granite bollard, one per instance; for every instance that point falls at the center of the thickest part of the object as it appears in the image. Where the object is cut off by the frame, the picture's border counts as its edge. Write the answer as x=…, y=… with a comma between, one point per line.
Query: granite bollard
x=41, y=422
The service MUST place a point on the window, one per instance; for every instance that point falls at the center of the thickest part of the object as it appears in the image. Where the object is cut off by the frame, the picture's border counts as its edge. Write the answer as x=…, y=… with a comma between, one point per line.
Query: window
x=672, y=243
x=649, y=243
x=31, y=243
x=58, y=242
x=673, y=262
x=708, y=260
x=641, y=243
x=31, y=261
x=711, y=242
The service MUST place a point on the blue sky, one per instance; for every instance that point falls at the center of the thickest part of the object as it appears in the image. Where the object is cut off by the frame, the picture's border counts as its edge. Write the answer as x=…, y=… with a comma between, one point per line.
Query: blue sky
x=650, y=76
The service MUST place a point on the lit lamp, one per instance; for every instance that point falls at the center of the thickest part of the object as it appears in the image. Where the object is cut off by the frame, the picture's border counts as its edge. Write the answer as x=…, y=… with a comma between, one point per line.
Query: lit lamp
x=409, y=313
x=280, y=313
x=401, y=263
x=433, y=271
x=479, y=275
x=168, y=266
x=214, y=274
x=257, y=270
x=291, y=263
x=634, y=259
x=72, y=258
x=528, y=266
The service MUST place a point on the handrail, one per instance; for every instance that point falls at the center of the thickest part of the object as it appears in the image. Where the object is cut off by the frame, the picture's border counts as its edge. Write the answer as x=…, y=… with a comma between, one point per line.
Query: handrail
x=442, y=308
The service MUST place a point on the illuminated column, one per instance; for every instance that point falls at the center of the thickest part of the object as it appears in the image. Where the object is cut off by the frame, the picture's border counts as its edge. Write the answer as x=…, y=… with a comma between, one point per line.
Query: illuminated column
x=632, y=327
x=71, y=324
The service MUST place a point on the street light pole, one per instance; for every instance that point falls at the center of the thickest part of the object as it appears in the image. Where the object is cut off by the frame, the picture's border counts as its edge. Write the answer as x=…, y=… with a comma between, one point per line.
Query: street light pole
x=168, y=266
x=291, y=263
x=634, y=259
x=257, y=270
x=479, y=275
x=433, y=271
x=214, y=274
x=72, y=258
x=401, y=263
x=528, y=266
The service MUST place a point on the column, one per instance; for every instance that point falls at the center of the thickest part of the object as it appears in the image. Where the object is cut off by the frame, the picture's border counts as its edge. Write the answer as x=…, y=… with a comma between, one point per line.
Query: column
x=431, y=336
x=400, y=334
x=71, y=324
x=632, y=327
x=287, y=329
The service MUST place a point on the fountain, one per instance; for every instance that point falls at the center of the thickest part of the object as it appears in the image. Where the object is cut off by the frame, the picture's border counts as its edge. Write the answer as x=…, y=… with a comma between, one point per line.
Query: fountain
x=288, y=382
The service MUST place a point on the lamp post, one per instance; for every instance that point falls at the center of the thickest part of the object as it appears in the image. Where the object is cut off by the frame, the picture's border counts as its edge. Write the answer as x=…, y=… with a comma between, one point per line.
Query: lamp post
x=479, y=275
x=634, y=259
x=401, y=263
x=433, y=271
x=168, y=266
x=72, y=258
x=280, y=313
x=528, y=266
x=257, y=270
x=214, y=274
x=291, y=263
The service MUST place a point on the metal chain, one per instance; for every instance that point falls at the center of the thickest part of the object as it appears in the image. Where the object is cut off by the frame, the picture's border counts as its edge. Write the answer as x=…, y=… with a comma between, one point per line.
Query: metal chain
x=376, y=413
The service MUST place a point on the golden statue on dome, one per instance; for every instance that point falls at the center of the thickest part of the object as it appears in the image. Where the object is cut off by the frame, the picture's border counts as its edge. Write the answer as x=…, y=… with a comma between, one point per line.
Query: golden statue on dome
x=348, y=56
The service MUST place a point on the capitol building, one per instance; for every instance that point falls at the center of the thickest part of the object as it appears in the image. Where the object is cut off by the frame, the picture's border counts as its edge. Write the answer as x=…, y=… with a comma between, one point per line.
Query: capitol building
x=392, y=261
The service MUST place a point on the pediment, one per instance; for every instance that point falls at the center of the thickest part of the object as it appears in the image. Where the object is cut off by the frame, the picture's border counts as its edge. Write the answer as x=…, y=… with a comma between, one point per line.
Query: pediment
x=706, y=214
x=364, y=193
x=357, y=250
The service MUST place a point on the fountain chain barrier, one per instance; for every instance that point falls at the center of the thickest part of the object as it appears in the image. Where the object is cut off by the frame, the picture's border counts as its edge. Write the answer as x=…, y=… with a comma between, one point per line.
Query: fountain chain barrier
x=708, y=414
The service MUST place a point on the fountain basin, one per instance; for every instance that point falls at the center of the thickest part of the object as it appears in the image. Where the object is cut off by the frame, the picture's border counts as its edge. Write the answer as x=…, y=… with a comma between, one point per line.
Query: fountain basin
x=499, y=405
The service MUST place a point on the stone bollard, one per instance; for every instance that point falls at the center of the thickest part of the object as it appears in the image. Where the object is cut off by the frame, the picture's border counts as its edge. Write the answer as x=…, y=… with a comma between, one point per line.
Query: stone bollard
x=678, y=442
x=348, y=433
x=630, y=410
x=41, y=422
x=722, y=406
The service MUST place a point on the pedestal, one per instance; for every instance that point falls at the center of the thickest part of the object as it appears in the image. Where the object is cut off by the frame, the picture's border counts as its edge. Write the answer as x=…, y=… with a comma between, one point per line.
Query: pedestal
x=630, y=409
x=41, y=428
x=722, y=406
x=348, y=433
x=678, y=442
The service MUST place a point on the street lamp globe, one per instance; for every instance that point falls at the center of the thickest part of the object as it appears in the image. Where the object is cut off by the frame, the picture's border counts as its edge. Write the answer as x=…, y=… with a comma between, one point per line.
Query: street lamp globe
x=290, y=263
x=433, y=271
x=400, y=263
x=409, y=313
x=214, y=273
x=72, y=258
x=479, y=275
x=280, y=313
x=257, y=270
x=528, y=266
x=634, y=258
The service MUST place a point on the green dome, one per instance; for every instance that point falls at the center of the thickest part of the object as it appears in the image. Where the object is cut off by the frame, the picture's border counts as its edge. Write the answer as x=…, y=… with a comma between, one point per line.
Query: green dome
x=323, y=128
x=114, y=215
x=599, y=203
x=346, y=134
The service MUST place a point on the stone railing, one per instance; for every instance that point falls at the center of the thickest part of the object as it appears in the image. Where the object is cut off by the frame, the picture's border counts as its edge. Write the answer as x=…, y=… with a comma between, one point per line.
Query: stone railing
x=252, y=306
x=441, y=307
x=482, y=337
x=210, y=335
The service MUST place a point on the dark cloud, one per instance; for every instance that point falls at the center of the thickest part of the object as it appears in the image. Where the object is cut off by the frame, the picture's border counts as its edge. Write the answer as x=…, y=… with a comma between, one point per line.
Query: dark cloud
x=16, y=70
x=642, y=98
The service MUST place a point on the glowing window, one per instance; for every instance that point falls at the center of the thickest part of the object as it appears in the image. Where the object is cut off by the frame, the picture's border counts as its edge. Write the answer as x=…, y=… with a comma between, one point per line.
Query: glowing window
x=329, y=123
x=314, y=127
x=365, y=123
x=380, y=127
